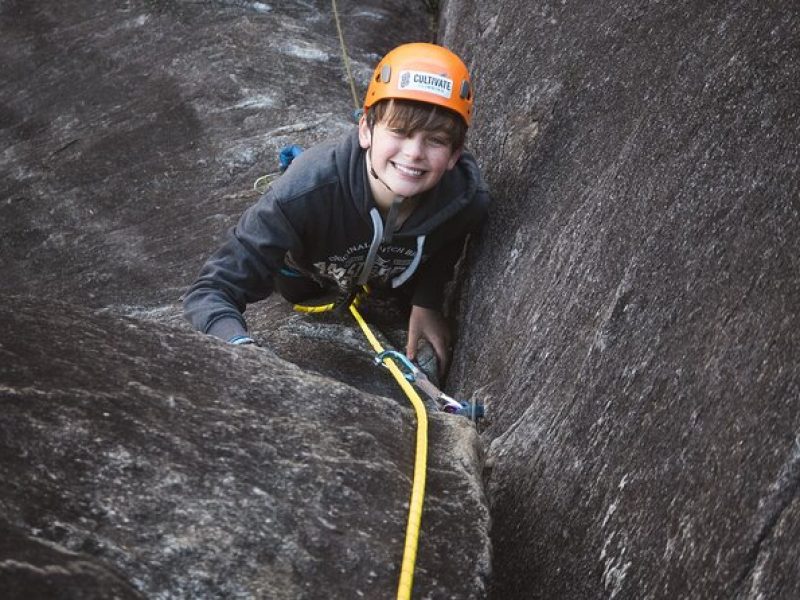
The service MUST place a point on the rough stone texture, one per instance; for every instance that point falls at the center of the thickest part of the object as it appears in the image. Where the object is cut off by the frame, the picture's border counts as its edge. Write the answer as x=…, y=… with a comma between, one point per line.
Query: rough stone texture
x=131, y=133
x=633, y=307
x=31, y=569
x=138, y=457
x=203, y=470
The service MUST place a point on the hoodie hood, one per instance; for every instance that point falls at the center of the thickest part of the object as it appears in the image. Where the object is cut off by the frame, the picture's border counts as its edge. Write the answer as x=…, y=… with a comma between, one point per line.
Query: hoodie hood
x=319, y=218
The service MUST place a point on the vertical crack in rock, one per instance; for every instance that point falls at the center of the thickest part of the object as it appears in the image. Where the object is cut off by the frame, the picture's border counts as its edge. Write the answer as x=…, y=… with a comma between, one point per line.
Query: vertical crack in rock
x=770, y=510
x=138, y=459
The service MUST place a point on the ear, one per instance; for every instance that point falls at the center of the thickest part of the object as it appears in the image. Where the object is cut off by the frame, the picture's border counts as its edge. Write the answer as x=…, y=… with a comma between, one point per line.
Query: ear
x=364, y=134
x=454, y=157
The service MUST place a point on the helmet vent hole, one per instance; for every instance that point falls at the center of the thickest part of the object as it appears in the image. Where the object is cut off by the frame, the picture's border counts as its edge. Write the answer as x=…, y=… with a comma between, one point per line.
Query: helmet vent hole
x=465, y=92
x=386, y=73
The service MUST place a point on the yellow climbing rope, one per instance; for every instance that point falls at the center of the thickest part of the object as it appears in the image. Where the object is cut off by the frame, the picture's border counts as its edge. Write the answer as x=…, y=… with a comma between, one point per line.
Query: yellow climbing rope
x=406, y=581
x=420, y=466
x=302, y=308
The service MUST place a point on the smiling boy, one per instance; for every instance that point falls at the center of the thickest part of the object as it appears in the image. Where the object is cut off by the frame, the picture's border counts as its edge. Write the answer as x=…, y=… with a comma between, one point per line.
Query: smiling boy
x=390, y=204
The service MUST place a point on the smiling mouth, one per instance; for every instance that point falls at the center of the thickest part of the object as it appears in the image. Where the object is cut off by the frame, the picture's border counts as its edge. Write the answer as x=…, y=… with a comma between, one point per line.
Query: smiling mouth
x=410, y=171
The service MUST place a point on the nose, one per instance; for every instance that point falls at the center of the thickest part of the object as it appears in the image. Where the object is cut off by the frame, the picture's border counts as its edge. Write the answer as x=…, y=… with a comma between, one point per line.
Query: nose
x=413, y=145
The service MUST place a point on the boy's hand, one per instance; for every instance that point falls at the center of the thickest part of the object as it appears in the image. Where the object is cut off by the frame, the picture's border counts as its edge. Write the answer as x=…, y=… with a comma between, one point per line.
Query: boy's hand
x=429, y=324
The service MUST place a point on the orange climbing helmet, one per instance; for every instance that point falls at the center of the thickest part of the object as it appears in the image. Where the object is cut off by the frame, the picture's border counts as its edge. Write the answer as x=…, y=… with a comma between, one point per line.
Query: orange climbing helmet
x=425, y=73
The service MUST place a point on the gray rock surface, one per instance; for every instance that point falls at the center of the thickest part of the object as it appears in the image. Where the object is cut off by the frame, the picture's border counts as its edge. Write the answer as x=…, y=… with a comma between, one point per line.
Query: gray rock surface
x=203, y=470
x=31, y=569
x=633, y=317
x=132, y=133
x=632, y=320
x=137, y=457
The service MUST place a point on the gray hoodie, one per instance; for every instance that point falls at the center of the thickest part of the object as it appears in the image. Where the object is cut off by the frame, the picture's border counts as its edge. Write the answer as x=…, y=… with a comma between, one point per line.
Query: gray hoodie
x=320, y=218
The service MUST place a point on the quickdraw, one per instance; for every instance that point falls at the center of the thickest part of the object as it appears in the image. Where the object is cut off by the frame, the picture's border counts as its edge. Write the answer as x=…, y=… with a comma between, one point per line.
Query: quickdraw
x=417, y=376
x=411, y=373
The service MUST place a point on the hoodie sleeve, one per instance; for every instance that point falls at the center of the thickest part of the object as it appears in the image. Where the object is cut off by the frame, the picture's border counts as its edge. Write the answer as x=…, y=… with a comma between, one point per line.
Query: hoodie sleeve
x=241, y=271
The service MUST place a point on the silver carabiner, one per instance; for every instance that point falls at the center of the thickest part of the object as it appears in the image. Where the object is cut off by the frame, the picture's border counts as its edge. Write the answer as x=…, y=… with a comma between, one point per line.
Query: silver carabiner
x=411, y=369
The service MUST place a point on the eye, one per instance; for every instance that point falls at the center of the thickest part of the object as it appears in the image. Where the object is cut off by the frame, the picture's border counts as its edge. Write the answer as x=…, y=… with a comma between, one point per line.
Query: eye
x=437, y=140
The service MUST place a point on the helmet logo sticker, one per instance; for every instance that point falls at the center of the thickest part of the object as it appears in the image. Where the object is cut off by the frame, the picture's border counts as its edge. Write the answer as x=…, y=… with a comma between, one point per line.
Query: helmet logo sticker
x=420, y=81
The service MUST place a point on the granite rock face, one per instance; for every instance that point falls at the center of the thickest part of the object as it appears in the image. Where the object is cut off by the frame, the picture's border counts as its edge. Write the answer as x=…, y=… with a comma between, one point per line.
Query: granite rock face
x=199, y=469
x=138, y=458
x=630, y=318
x=633, y=314
x=30, y=568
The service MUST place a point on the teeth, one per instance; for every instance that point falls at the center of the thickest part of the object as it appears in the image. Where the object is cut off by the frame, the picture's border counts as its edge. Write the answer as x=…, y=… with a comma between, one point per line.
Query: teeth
x=409, y=170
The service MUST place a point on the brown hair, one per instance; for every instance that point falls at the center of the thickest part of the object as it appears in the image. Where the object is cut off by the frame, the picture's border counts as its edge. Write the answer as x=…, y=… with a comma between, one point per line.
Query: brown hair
x=412, y=116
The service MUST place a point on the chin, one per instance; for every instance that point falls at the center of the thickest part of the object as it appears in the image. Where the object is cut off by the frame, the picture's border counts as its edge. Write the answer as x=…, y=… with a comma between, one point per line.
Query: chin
x=409, y=191
x=409, y=188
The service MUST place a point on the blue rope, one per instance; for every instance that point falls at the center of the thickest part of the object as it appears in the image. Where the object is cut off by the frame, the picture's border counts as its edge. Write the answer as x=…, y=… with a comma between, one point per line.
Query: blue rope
x=287, y=155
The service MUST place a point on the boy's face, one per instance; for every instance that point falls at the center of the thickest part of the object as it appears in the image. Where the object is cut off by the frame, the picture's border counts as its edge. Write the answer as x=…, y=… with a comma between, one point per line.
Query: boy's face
x=409, y=163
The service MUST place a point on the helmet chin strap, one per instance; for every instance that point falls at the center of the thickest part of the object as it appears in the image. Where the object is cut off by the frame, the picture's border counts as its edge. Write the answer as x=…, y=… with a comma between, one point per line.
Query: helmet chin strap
x=372, y=171
x=393, y=217
x=375, y=175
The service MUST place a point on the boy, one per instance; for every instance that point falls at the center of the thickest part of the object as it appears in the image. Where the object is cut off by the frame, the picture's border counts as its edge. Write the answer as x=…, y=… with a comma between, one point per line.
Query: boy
x=390, y=205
